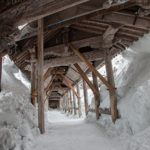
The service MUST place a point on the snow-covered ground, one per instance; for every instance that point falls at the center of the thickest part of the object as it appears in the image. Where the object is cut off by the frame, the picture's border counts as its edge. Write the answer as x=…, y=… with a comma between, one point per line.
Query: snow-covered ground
x=73, y=134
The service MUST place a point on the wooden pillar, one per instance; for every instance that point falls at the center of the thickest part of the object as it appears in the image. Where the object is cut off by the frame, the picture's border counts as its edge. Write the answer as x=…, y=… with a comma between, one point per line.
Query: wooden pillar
x=85, y=97
x=96, y=96
x=1, y=73
x=71, y=102
x=33, y=75
x=79, y=101
x=40, y=78
x=74, y=104
x=110, y=78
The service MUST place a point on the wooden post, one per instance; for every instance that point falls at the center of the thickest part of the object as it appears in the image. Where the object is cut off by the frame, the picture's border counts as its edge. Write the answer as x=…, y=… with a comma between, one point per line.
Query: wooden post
x=74, y=104
x=1, y=73
x=40, y=78
x=79, y=101
x=110, y=78
x=85, y=97
x=97, y=97
x=71, y=102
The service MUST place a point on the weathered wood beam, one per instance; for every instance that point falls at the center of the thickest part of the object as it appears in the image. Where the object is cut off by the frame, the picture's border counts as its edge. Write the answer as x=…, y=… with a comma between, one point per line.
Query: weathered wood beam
x=74, y=104
x=110, y=78
x=40, y=78
x=66, y=61
x=94, y=14
x=33, y=10
x=1, y=73
x=91, y=67
x=69, y=84
x=86, y=78
x=85, y=97
x=96, y=96
x=79, y=101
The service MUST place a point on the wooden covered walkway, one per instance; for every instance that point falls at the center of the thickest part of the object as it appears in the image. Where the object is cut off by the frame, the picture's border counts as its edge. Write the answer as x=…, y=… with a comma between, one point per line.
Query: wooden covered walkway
x=64, y=41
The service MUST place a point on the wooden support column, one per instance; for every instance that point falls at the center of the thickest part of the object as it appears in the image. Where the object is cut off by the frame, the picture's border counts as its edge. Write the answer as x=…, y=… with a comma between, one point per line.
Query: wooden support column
x=40, y=78
x=33, y=75
x=74, y=104
x=85, y=97
x=96, y=96
x=71, y=102
x=1, y=73
x=110, y=78
x=79, y=101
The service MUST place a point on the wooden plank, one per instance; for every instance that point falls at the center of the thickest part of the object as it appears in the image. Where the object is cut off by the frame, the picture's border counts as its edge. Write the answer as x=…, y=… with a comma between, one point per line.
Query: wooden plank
x=68, y=60
x=85, y=97
x=110, y=78
x=71, y=102
x=86, y=79
x=105, y=111
x=41, y=118
x=79, y=101
x=91, y=67
x=69, y=84
x=96, y=96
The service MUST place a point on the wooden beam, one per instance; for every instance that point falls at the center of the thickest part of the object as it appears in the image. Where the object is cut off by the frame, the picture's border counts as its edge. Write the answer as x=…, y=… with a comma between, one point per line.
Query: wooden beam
x=85, y=97
x=96, y=96
x=40, y=78
x=66, y=61
x=69, y=84
x=50, y=82
x=71, y=103
x=79, y=101
x=45, y=77
x=86, y=79
x=1, y=73
x=110, y=78
x=94, y=14
x=91, y=67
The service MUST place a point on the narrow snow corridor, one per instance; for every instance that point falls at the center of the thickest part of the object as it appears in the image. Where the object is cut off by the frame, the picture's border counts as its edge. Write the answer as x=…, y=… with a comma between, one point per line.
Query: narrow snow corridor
x=72, y=134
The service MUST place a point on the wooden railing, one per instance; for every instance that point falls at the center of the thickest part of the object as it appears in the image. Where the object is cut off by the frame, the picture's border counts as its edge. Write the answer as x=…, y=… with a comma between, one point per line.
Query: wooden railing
x=101, y=110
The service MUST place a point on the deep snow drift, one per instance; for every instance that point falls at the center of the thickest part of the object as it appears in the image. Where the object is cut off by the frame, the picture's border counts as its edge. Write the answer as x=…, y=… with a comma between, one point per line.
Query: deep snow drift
x=132, y=80
x=18, y=124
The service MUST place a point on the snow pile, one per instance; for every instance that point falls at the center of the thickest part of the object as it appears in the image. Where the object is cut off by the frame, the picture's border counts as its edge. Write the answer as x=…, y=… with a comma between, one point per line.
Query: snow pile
x=18, y=124
x=132, y=80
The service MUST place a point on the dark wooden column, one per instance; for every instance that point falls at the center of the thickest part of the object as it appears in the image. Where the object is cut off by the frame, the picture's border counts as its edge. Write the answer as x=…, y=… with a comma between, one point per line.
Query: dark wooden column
x=96, y=96
x=85, y=97
x=40, y=78
x=79, y=101
x=74, y=104
x=0, y=73
x=110, y=78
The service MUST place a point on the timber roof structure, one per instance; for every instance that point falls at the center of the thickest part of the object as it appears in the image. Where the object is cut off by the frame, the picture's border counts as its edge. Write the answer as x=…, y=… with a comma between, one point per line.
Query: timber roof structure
x=89, y=26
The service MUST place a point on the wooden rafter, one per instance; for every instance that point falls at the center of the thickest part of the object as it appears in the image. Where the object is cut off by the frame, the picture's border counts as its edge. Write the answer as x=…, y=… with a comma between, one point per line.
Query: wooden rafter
x=91, y=67
x=69, y=84
x=86, y=79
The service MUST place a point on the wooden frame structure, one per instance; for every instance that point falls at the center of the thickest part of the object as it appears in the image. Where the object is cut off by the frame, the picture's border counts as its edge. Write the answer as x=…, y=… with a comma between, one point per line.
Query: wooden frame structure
x=69, y=50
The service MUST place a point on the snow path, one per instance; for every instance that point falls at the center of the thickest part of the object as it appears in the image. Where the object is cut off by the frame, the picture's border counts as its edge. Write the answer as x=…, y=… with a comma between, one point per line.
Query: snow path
x=72, y=134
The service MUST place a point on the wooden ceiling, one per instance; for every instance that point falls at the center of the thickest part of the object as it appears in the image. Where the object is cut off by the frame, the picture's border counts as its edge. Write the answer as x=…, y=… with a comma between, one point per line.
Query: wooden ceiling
x=114, y=28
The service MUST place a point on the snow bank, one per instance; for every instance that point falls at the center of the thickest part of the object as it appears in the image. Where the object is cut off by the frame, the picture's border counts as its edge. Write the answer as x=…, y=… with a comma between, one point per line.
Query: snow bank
x=132, y=80
x=18, y=118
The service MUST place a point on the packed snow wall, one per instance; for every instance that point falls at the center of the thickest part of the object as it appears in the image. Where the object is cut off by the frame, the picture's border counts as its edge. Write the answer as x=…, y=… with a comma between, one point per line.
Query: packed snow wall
x=132, y=79
x=18, y=118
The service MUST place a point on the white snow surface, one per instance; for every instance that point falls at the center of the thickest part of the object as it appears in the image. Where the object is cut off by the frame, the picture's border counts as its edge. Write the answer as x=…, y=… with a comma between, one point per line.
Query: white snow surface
x=132, y=80
x=18, y=118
